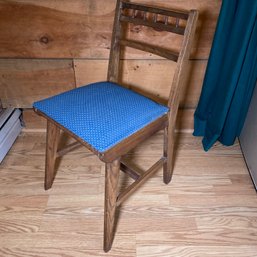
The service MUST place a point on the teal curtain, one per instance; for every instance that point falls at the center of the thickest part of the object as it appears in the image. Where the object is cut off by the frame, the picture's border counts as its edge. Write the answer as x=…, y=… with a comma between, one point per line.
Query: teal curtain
x=231, y=74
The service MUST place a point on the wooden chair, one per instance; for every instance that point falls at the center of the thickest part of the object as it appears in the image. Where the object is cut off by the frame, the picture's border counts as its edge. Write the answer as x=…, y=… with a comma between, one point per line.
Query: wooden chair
x=110, y=120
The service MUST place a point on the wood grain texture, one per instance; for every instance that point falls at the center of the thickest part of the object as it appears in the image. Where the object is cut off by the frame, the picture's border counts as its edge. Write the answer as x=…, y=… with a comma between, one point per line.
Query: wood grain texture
x=209, y=209
x=24, y=81
x=177, y=85
x=111, y=192
x=115, y=50
x=141, y=180
x=35, y=29
x=151, y=77
x=129, y=143
x=52, y=140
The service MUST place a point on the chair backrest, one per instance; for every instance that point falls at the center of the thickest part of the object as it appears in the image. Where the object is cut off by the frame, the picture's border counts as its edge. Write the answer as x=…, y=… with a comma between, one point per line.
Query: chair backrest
x=178, y=22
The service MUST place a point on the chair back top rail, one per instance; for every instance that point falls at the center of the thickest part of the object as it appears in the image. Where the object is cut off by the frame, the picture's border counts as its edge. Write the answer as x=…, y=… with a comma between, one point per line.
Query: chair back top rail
x=162, y=11
x=153, y=17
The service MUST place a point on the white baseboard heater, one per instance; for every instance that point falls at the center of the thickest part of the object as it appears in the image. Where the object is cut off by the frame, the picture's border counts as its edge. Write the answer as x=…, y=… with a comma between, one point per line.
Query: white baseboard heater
x=10, y=128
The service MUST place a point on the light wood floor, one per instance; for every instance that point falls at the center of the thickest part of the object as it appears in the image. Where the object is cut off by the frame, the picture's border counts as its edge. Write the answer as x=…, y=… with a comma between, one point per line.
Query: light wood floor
x=209, y=208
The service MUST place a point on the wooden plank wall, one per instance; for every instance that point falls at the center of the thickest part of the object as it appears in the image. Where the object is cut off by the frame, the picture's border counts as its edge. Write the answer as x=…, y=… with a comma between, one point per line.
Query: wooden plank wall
x=49, y=46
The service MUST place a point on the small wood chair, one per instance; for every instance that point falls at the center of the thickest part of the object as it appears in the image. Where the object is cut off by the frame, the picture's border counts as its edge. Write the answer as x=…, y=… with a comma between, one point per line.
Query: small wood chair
x=109, y=119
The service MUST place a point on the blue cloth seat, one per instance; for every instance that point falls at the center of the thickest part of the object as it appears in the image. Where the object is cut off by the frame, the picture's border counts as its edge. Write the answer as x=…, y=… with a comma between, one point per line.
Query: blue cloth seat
x=102, y=114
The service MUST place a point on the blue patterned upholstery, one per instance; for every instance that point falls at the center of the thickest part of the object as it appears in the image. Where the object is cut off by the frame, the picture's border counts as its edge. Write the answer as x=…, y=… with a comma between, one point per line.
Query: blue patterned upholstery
x=102, y=114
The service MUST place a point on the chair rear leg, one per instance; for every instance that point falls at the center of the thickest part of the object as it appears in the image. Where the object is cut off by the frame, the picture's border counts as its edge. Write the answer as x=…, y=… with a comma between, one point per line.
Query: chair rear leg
x=52, y=139
x=169, y=138
x=111, y=190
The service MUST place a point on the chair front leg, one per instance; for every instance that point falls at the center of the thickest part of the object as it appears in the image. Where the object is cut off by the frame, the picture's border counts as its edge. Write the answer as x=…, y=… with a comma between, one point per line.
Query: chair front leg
x=111, y=190
x=52, y=139
x=169, y=138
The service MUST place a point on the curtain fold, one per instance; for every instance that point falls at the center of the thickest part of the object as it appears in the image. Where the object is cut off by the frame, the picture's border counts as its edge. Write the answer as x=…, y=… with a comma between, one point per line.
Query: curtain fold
x=230, y=76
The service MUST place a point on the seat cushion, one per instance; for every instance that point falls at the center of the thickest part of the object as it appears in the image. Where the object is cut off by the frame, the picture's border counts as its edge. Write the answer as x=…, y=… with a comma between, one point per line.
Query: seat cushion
x=102, y=114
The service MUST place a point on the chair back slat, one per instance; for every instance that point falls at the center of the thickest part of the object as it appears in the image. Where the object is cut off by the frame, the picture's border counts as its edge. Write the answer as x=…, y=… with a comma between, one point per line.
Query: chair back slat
x=149, y=48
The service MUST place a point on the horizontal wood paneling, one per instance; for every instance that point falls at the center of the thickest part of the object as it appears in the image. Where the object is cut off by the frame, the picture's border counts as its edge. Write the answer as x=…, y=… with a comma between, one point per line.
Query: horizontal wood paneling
x=25, y=81
x=79, y=31
x=82, y=28
x=151, y=77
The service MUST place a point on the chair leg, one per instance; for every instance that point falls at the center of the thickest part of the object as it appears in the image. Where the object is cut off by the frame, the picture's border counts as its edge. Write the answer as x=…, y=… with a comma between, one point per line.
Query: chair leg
x=169, y=136
x=111, y=190
x=52, y=139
